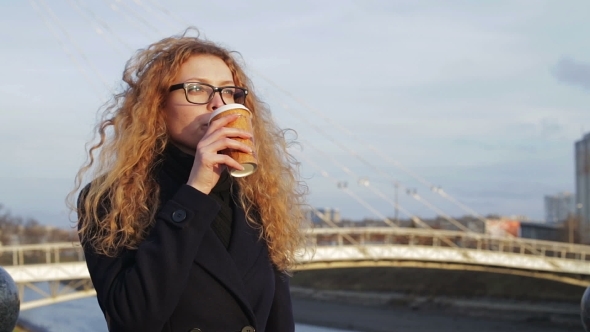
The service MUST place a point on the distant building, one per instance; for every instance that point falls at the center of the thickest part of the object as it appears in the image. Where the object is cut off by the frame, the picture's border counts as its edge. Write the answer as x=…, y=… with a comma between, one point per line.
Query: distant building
x=323, y=216
x=519, y=217
x=502, y=227
x=540, y=231
x=582, y=152
x=559, y=207
x=511, y=227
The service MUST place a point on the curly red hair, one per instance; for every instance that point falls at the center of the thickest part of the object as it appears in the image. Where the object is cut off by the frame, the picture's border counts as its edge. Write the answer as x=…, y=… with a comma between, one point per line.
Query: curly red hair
x=132, y=134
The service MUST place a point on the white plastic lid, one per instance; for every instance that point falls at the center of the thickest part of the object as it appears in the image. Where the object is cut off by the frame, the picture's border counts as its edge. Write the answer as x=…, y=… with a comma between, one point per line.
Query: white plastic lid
x=227, y=108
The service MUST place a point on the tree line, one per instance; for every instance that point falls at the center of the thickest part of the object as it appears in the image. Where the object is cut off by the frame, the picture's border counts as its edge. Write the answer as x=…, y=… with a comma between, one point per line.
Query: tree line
x=16, y=230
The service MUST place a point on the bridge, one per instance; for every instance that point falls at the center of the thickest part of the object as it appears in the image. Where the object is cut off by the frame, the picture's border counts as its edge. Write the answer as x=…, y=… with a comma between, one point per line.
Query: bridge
x=62, y=265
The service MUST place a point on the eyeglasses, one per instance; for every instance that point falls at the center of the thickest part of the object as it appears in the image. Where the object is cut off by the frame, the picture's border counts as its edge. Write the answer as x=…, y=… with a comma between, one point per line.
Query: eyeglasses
x=202, y=93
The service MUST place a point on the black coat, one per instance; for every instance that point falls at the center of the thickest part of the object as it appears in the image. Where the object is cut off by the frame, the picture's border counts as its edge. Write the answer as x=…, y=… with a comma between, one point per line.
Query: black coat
x=182, y=278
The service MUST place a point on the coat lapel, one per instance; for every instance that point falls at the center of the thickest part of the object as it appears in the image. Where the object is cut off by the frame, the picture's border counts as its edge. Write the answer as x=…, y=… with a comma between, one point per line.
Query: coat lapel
x=215, y=259
x=245, y=246
x=227, y=268
x=230, y=265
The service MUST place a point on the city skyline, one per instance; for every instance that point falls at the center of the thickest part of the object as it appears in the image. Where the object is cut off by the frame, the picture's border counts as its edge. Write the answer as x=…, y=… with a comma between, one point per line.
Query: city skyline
x=483, y=100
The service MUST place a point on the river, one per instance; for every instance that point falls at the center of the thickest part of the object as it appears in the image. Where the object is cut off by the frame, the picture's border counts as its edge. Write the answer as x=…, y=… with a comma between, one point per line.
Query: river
x=84, y=315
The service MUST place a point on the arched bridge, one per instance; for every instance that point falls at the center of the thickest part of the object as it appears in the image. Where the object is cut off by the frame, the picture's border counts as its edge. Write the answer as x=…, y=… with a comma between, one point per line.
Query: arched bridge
x=442, y=249
x=62, y=265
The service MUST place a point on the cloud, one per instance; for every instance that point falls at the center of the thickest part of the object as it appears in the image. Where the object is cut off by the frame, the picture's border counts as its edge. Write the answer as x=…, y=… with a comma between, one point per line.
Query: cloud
x=573, y=72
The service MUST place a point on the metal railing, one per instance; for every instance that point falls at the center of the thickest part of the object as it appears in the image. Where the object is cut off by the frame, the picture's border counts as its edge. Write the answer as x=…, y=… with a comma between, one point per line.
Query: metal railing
x=51, y=253
x=444, y=238
x=563, y=262
x=46, y=253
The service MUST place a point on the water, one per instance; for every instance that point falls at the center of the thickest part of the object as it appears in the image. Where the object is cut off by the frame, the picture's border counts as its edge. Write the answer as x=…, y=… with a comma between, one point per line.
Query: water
x=84, y=315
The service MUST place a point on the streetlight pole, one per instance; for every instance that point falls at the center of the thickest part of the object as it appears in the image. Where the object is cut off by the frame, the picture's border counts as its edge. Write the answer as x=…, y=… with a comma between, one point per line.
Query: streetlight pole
x=571, y=229
x=580, y=223
x=396, y=186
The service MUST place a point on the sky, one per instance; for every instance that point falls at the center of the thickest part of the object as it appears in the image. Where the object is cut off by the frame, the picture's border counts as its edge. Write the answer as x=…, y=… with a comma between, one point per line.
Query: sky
x=484, y=99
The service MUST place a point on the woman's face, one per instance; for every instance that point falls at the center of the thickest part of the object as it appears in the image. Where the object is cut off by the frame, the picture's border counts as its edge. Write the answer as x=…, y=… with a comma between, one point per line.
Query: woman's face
x=186, y=122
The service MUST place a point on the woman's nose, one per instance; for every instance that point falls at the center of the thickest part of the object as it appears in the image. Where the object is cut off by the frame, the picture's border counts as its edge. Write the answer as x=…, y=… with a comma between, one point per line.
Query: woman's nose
x=216, y=102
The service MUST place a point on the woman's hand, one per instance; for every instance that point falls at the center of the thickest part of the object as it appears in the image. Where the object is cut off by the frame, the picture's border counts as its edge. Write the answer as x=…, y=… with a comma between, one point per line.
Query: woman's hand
x=208, y=163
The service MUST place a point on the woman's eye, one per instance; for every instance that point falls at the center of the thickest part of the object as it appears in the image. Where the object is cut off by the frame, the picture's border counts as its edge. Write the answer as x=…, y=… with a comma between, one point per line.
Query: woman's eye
x=195, y=88
x=228, y=92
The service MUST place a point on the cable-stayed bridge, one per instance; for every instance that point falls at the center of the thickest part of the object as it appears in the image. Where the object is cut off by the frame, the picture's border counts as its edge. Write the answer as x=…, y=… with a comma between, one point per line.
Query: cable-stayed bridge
x=62, y=265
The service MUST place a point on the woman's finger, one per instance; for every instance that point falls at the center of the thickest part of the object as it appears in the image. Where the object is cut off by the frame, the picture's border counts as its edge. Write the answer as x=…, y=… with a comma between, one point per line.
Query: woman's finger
x=223, y=121
x=213, y=160
x=224, y=132
x=226, y=143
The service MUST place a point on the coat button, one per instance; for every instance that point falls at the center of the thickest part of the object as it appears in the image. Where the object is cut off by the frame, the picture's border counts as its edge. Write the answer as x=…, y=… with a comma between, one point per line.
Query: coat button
x=248, y=329
x=178, y=215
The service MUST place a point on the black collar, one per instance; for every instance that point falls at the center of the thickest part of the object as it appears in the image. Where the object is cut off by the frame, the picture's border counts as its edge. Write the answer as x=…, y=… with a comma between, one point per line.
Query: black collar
x=178, y=165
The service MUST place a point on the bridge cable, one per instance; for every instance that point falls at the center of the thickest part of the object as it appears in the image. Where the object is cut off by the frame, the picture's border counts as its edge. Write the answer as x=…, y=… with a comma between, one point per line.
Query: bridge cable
x=348, y=192
x=325, y=174
x=436, y=189
x=137, y=16
x=57, y=22
x=318, y=213
x=414, y=218
x=106, y=27
x=388, y=221
x=367, y=163
x=120, y=11
x=73, y=58
x=352, y=152
x=163, y=20
x=374, y=190
x=173, y=17
x=91, y=16
x=350, y=239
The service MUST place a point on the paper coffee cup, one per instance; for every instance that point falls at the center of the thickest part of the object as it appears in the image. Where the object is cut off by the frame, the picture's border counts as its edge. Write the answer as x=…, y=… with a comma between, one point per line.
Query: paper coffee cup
x=244, y=122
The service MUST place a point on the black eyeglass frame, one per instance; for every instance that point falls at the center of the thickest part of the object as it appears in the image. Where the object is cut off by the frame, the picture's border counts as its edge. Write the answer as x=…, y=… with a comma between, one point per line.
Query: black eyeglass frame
x=183, y=86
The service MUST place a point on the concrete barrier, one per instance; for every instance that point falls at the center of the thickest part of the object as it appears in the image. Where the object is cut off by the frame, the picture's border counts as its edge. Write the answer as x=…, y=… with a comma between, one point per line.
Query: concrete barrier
x=585, y=309
x=9, y=302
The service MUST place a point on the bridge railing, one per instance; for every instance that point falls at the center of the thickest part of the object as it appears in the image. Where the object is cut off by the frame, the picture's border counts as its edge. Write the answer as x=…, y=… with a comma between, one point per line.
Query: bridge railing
x=50, y=253
x=360, y=236
x=46, y=253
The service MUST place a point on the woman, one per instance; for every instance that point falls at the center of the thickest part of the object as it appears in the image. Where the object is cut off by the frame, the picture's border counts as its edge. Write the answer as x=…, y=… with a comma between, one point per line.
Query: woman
x=172, y=241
